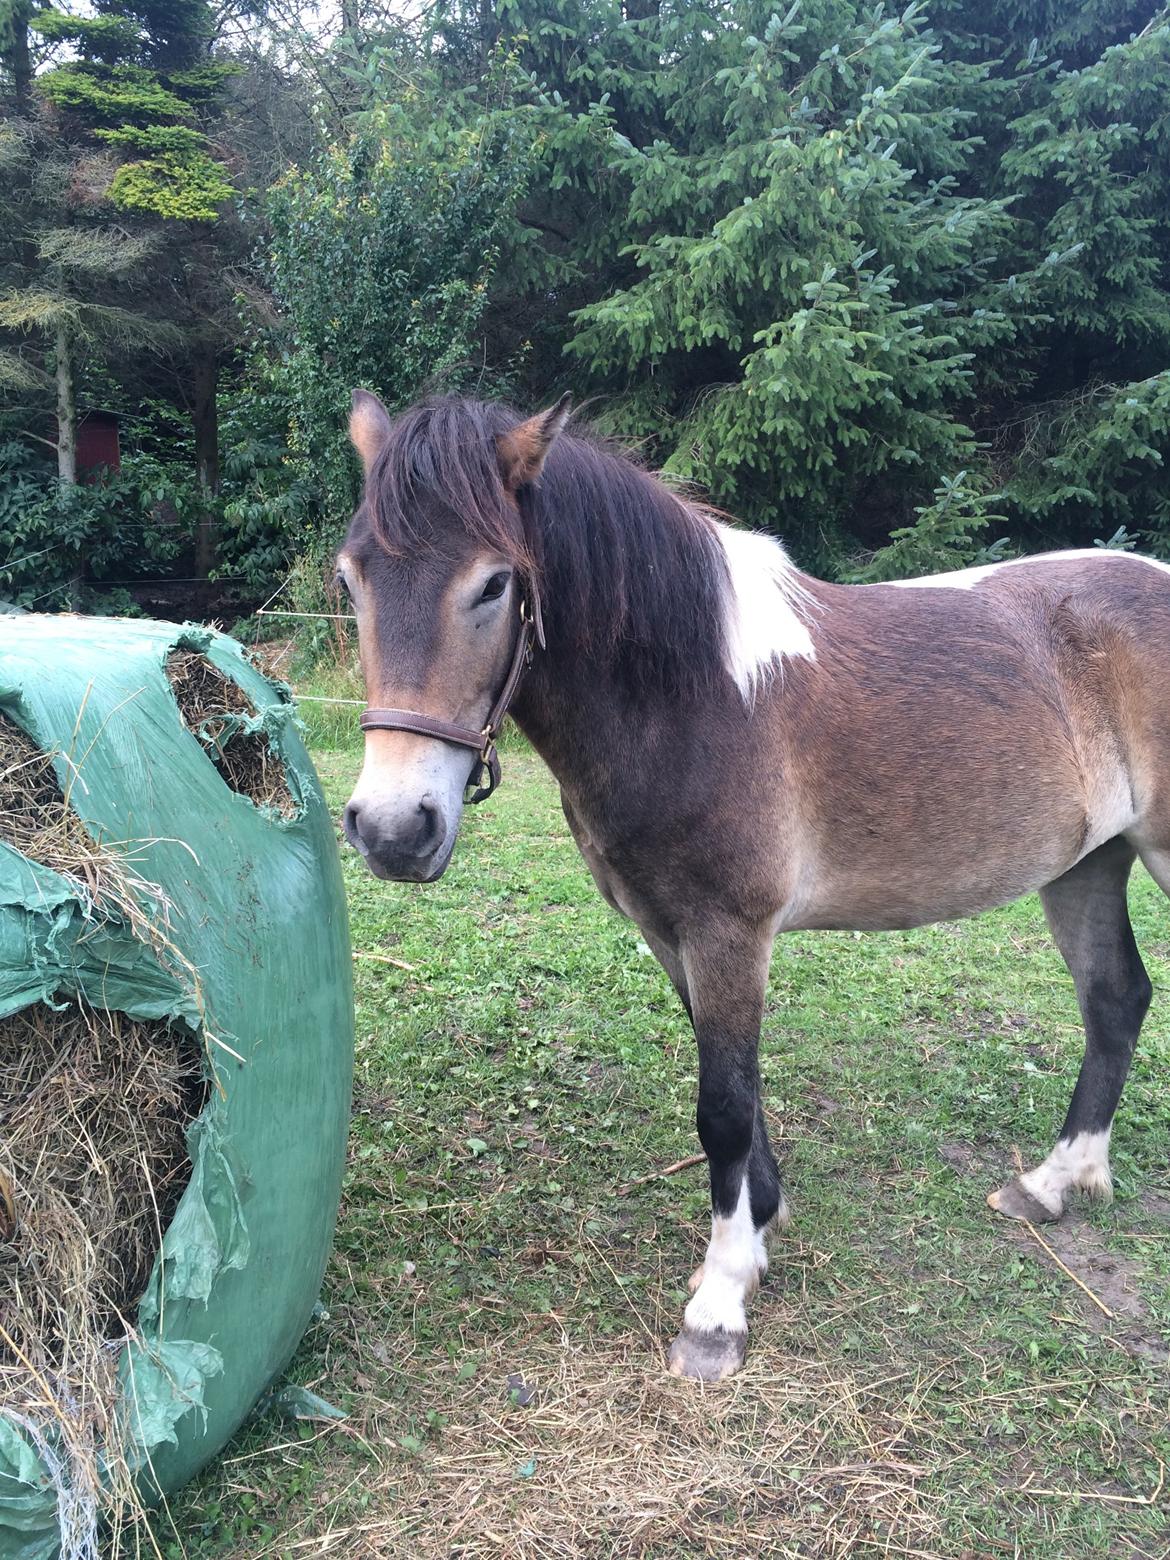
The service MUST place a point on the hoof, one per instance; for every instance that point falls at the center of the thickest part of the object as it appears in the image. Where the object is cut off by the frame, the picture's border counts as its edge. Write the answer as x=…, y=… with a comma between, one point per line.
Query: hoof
x=1014, y=1201
x=707, y=1356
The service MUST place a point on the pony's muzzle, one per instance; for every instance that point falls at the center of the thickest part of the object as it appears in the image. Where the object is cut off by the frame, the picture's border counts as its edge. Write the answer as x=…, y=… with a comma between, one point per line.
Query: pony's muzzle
x=405, y=810
x=407, y=849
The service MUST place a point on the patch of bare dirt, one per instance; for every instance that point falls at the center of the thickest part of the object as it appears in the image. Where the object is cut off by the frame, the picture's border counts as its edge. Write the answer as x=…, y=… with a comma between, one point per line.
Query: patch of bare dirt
x=968, y=1159
x=821, y=1104
x=1112, y=1276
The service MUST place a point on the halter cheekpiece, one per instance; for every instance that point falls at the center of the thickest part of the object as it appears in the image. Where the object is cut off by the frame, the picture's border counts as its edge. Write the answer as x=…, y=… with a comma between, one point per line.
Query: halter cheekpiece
x=485, y=775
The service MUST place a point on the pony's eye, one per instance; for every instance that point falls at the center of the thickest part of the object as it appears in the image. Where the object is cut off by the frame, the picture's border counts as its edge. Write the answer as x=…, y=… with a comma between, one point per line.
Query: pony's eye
x=341, y=584
x=496, y=586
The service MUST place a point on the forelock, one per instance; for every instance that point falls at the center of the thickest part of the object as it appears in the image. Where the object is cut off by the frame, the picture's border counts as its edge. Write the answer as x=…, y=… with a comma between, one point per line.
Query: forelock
x=439, y=468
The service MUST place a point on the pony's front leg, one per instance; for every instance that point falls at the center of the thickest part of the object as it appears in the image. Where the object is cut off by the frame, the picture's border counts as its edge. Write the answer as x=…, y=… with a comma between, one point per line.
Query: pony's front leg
x=726, y=976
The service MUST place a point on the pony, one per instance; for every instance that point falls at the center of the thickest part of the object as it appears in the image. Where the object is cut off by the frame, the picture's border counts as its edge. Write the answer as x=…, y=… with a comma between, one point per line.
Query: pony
x=743, y=749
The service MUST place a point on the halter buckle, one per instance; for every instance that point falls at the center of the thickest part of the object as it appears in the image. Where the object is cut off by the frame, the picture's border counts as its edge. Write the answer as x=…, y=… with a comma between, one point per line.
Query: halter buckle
x=485, y=772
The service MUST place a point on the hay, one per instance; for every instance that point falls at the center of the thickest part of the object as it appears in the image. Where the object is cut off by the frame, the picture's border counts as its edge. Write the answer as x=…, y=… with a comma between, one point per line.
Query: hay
x=798, y=1458
x=613, y=1457
x=34, y=815
x=93, y=1113
x=211, y=704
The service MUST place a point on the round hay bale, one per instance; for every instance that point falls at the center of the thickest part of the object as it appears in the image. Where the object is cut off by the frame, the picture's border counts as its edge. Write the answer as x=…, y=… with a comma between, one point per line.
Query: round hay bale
x=176, y=1054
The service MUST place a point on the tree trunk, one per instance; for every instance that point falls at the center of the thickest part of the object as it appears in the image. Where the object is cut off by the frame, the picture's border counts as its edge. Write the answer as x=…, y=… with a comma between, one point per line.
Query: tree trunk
x=19, y=59
x=205, y=421
x=66, y=411
x=489, y=31
x=67, y=443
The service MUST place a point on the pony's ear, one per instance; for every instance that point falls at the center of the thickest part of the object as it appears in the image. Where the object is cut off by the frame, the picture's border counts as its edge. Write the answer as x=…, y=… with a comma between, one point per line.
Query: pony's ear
x=522, y=451
x=369, y=423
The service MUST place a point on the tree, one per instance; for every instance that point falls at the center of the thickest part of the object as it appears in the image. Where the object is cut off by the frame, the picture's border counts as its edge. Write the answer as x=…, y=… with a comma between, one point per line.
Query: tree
x=381, y=254
x=893, y=283
x=140, y=77
x=132, y=103
x=816, y=290
x=82, y=267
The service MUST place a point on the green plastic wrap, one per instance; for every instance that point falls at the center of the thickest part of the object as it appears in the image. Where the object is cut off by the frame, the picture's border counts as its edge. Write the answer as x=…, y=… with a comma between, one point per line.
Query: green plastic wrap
x=257, y=916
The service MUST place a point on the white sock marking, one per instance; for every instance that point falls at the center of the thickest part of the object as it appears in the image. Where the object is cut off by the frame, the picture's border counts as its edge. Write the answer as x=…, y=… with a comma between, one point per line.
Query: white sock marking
x=762, y=621
x=967, y=579
x=1080, y=1161
x=736, y=1260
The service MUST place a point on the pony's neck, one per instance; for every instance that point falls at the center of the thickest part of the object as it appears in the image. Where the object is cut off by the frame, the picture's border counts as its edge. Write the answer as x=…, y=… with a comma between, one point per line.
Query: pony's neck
x=634, y=579
x=654, y=596
x=597, y=741
x=659, y=619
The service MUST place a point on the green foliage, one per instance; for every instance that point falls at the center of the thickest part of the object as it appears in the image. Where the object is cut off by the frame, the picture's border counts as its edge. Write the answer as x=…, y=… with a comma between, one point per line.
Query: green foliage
x=173, y=139
x=1104, y=454
x=859, y=249
x=112, y=94
x=946, y=535
x=132, y=525
x=181, y=186
x=203, y=84
x=271, y=495
x=380, y=258
x=815, y=250
x=1090, y=169
x=101, y=274
x=889, y=281
x=177, y=31
x=125, y=97
x=105, y=38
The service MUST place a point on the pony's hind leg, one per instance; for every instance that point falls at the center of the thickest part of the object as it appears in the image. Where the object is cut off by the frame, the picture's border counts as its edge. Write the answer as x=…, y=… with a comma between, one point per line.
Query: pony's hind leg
x=726, y=967
x=1087, y=913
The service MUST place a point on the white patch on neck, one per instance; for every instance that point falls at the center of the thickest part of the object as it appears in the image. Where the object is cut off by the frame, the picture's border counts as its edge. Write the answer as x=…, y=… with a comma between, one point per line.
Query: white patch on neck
x=762, y=621
x=1082, y=1161
x=967, y=579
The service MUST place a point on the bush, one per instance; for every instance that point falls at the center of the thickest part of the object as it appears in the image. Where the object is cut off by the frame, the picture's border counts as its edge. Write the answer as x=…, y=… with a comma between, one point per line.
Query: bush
x=65, y=544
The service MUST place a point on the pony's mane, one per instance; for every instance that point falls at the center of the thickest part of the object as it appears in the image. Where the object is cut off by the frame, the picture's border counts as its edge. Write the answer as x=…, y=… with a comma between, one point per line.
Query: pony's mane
x=628, y=571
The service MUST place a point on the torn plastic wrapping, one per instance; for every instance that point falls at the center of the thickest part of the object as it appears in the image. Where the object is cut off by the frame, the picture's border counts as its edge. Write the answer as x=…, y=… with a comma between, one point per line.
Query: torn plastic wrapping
x=253, y=951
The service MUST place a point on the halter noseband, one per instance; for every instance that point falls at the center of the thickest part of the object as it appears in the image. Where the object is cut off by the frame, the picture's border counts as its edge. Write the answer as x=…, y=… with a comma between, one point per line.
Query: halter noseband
x=485, y=776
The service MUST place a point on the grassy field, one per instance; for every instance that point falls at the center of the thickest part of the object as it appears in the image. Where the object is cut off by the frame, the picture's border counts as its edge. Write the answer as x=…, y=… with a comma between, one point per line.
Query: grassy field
x=924, y=1379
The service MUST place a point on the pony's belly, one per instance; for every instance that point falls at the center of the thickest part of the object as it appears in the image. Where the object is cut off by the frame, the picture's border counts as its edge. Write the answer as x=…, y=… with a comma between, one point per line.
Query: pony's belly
x=940, y=847
x=924, y=885
x=896, y=916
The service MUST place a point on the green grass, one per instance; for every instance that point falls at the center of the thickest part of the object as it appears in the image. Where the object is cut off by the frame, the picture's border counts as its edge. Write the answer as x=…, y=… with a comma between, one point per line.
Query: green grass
x=920, y=1372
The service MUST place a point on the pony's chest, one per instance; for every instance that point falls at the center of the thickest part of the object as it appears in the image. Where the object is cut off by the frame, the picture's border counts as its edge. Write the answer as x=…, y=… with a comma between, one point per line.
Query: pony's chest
x=603, y=870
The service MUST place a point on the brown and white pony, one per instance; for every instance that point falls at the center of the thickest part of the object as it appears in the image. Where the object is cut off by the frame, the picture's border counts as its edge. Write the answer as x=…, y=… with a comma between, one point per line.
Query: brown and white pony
x=743, y=749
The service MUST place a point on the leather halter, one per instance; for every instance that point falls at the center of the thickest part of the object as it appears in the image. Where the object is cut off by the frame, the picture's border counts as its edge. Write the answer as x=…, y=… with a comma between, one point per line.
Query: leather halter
x=485, y=775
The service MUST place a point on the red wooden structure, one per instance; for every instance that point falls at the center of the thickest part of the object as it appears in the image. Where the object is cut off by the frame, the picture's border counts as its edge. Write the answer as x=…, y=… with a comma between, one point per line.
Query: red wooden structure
x=97, y=446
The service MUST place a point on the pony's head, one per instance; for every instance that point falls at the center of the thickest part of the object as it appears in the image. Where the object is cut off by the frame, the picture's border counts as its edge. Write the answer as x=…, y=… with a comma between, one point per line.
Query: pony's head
x=436, y=563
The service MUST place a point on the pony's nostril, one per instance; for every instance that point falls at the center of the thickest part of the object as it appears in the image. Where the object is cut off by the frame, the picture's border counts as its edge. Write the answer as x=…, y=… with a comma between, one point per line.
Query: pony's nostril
x=353, y=833
x=430, y=826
